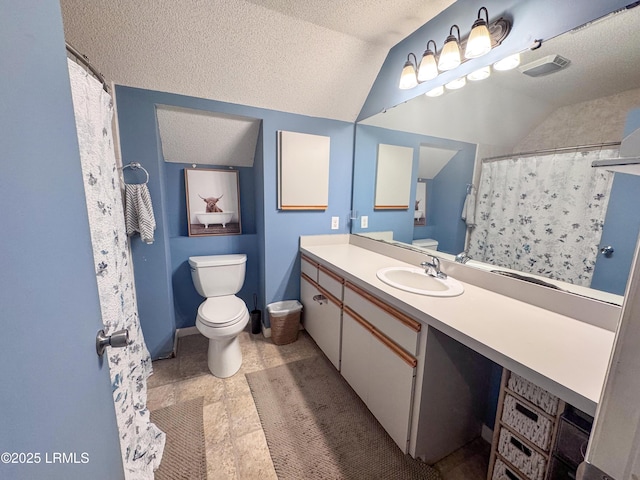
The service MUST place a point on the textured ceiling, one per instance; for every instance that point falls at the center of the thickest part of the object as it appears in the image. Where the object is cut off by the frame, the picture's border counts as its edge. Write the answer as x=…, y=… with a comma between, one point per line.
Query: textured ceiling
x=432, y=160
x=312, y=58
x=199, y=137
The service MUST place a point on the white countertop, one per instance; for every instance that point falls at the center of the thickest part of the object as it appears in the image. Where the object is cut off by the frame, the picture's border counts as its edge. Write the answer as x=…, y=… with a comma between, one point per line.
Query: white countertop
x=565, y=356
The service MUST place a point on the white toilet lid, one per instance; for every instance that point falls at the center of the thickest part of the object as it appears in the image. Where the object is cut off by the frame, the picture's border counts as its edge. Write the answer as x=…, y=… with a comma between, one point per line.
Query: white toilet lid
x=222, y=311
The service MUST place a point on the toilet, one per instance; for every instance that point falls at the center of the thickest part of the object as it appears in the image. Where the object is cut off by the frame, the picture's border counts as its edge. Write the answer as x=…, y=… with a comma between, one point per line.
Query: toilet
x=222, y=316
x=429, y=243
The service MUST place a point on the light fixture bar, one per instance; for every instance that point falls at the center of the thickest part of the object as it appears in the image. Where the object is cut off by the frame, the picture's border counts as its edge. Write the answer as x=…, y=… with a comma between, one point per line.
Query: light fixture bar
x=431, y=64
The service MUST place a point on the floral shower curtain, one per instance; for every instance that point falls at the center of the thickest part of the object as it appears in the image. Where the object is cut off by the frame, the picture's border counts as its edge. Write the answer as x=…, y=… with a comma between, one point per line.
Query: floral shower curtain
x=141, y=442
x=543, y=215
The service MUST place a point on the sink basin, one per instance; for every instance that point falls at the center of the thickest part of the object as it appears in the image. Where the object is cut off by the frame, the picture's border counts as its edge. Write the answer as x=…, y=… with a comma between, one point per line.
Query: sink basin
x=413, y=279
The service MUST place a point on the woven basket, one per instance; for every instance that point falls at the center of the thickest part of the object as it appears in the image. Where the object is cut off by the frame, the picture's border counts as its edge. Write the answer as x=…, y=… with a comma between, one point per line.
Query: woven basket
x=284, y=328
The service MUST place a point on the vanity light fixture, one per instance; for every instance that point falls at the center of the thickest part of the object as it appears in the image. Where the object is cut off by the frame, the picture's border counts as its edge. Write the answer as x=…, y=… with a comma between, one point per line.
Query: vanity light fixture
x=456, y=84
x=507, y=63
x=479, y=42
x=483, y=37
x=480, y=74
x=409, y=78
x=428, y=68
x=435, y=92
x=450, y=55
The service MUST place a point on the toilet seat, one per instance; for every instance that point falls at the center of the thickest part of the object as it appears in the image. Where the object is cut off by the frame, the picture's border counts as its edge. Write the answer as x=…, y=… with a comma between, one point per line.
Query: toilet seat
x=217, y=312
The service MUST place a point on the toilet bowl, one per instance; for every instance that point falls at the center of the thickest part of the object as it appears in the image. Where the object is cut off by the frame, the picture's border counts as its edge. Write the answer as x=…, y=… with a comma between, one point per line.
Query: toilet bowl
x=222, y=316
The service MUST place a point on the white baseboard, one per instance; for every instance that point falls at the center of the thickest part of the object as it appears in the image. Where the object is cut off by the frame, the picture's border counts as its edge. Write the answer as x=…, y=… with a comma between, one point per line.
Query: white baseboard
x=182, y=332
x=487, y=434
x=266, y=331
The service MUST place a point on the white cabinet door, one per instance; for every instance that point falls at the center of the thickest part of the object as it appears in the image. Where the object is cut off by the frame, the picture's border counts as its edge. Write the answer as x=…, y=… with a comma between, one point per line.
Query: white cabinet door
x=355, y=368
x=390, y=391
x=322, y=319
x=381, y=378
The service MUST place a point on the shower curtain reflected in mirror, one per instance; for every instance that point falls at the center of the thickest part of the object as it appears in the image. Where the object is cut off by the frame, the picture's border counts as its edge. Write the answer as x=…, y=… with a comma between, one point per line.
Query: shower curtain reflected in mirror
x=528, y=220
x=141, y=442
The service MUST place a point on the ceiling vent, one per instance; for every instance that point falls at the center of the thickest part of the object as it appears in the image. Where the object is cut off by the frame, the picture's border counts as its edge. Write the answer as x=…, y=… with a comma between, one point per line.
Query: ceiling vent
x=545, y=66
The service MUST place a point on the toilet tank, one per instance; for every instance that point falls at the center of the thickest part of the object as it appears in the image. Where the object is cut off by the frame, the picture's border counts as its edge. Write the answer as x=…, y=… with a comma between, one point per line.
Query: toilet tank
x=426, y=243
x=218, y=275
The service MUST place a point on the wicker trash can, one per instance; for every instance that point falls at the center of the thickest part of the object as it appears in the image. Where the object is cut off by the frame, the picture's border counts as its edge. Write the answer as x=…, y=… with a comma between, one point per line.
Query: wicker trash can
x=285, y=321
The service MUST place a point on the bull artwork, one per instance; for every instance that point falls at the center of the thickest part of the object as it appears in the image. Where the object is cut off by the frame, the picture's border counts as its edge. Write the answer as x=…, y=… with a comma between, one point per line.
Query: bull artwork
x=211, y=202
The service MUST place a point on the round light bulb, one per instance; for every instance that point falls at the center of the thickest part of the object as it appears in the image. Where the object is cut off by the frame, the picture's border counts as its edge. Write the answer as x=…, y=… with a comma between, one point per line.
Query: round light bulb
x=456, y=84
x=435, y=92
x=507, y=63
x=480, y=74
x=479, y=42
x=450, y=55
x=428, y=68
x=408, y=77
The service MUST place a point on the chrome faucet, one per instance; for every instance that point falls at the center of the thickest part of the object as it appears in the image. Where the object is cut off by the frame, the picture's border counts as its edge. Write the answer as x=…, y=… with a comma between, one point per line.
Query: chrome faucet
x=463, y=257
x=432, y=268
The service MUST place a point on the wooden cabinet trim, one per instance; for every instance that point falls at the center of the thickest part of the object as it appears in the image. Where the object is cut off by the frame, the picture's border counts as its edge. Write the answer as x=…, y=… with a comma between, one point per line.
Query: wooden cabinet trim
x=335, y=276
x=390, y=344
x=401, y=317
x=308, y=260
x=330, y=297
x=358, y=318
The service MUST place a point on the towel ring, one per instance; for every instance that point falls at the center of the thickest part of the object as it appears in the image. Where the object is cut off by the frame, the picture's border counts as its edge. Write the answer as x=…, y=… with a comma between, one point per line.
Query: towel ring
x=136, y=166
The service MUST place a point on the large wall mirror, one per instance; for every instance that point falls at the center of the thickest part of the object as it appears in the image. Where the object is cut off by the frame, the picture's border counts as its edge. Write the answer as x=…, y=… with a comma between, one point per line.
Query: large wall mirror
x=527, y=120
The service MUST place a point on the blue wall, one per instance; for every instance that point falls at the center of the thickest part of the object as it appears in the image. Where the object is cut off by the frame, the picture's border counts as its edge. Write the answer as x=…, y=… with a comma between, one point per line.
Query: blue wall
x=621, y=226
x=448, y=192
x=166, y=296
x=56, y=395
x=531, y=20
x=445, y=192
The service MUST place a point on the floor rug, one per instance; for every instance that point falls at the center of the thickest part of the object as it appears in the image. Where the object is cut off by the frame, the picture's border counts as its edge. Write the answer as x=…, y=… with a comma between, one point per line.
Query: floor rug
x=184, y=453
x=318, y=428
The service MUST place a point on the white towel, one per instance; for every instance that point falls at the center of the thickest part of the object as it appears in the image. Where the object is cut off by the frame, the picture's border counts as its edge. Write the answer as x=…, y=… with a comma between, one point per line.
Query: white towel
x=139, y=211
x=469, y=208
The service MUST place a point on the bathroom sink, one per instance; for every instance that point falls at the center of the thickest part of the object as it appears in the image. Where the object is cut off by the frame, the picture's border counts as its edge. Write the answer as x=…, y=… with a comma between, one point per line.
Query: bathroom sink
x=415, y=280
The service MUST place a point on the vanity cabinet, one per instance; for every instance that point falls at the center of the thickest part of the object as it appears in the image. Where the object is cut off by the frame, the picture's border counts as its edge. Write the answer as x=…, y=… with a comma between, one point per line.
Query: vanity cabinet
x=322, y=303
x=374, y=363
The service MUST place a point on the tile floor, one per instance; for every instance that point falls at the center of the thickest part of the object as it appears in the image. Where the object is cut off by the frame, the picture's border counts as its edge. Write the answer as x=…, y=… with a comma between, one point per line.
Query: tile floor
x=235, y=444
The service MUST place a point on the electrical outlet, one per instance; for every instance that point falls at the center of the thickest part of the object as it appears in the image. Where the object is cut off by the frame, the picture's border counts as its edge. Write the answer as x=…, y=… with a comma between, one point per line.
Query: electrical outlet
x=364, y=222
x=335, y=223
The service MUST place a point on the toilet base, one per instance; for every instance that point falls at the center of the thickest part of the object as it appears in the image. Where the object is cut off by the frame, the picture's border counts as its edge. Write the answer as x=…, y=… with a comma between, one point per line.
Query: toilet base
x=224, y=357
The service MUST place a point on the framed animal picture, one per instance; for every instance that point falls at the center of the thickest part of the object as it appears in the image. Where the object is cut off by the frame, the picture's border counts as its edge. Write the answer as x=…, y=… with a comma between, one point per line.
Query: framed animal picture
x=213, y=201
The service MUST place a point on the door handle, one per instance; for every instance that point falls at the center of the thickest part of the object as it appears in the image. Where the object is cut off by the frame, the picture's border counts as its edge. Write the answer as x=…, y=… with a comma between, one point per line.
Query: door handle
x=320, y=299
x=607, y=251
x=116, y=340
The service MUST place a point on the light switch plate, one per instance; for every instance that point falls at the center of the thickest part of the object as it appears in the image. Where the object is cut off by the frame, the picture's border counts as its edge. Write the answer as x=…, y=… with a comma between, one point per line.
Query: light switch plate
x=364, y=221
x=335, y=223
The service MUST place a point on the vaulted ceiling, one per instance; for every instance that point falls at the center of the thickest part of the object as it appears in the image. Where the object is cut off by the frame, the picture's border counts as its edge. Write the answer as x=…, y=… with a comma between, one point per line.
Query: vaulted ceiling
x=313, y=58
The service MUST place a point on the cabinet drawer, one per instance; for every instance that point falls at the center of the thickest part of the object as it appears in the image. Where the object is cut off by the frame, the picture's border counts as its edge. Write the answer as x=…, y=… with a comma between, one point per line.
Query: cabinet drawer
x=536, y=395
x=330, y=281
x=521, y=455
x=558, y=470
x=309, y=268
x=528, y=422
x=400, y=328
x=572, y=441
x=502, y=472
